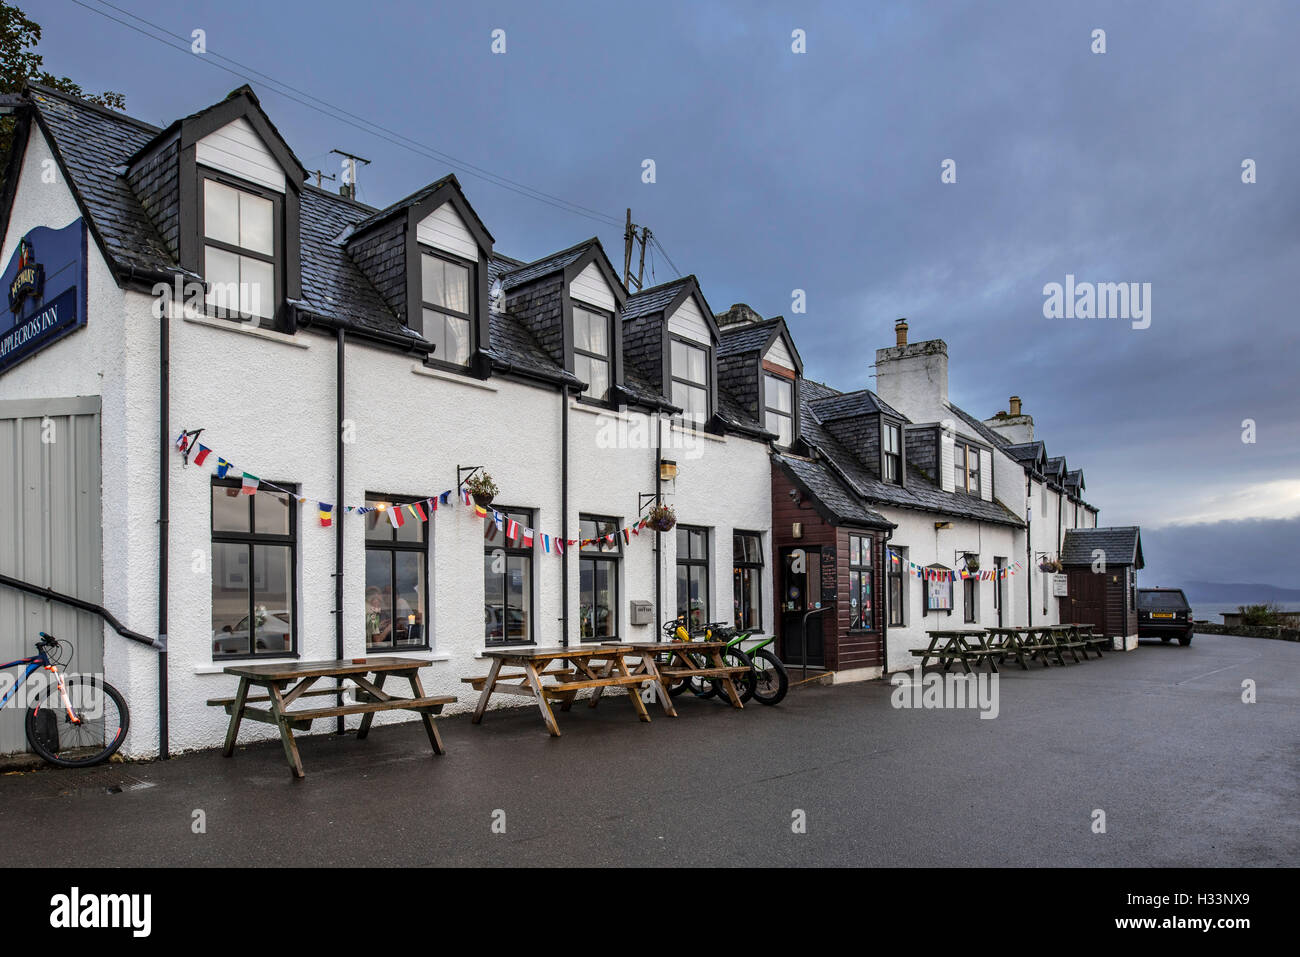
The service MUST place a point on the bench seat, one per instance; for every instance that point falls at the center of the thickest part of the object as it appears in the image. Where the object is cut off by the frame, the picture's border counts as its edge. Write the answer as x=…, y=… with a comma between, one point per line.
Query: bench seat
x=727, y=672
x=226, y=702
x=422, y=705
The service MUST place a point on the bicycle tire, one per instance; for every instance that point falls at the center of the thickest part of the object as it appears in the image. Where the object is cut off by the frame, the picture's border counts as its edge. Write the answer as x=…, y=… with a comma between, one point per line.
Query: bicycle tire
x=772, y=682
x=733, y=657
x=48, y=744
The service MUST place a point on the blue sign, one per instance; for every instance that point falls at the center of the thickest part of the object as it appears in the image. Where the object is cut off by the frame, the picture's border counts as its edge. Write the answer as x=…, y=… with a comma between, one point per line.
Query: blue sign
x=46, y=285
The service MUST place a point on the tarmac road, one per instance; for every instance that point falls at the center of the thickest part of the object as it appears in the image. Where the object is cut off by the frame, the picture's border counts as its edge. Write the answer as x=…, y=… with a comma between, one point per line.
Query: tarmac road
x=1158, y=739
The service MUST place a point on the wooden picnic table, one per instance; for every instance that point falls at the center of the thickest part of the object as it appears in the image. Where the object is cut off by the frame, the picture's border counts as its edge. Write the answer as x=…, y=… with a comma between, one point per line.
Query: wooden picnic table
x=371, y=698
x=558, y=674
x=682, y=661
x=959, y=644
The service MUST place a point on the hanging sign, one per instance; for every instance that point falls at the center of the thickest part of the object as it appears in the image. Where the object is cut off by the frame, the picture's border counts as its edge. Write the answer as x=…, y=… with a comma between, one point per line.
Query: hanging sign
x=45, y=282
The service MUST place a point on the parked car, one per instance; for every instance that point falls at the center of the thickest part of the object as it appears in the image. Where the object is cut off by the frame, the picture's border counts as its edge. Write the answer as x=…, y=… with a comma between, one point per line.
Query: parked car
x=273, y=631
x=1164, y=613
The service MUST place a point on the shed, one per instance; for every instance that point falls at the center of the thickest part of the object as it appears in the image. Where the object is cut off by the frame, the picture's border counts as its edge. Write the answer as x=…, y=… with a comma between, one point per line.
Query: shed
x=1101, y=566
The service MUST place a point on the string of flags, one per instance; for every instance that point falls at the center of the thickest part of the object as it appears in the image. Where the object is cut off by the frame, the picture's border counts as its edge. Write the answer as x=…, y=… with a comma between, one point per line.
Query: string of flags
x=399, y=513
x=950, y=574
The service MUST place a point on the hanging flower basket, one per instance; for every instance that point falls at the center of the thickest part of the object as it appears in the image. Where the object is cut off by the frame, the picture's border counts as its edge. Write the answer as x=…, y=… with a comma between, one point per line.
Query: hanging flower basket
x=1050, y=565
x=482, y=488
x=972, y=563
x=662, y=518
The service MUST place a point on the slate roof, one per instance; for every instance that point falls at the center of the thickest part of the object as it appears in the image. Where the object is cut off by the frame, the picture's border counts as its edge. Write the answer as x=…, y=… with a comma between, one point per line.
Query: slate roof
x=1025, y=452
x=746, y=337
x=1121, y=545
x=980, y=429
x=654, y=299
x=820, y=480
x=555, y=262
x=405, y=203
x=849, y=405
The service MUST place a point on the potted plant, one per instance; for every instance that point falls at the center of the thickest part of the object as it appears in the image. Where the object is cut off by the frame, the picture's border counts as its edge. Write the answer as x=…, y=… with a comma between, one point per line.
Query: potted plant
x=972, y=562
x=662, y=518
x=481, y=486
x=1050, y=565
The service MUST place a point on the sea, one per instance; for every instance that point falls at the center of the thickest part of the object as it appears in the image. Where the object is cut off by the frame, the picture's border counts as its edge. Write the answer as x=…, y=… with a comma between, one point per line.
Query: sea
x=1213, y=611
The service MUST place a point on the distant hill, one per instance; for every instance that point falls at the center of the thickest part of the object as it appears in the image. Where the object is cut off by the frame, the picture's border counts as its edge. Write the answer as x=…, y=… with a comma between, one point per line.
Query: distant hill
x=1238, y=592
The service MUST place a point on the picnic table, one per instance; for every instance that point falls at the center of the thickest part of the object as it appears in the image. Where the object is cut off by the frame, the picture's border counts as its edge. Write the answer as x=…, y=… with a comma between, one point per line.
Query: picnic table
x=371, y=698
x=682, y=661
x=958, y=644
x=558, y=674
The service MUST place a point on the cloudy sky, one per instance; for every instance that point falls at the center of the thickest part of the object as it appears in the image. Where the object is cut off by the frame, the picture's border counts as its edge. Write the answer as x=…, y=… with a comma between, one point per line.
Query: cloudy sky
x=821, y=171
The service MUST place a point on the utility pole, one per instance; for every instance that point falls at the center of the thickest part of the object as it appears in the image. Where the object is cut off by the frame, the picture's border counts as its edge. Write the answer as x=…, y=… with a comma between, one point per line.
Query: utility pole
x=319, y=174
x=350, y=161
x=629, y=238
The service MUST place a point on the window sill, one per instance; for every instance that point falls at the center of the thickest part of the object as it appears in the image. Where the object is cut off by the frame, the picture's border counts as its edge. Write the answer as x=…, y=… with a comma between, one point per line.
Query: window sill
x=246, y=329
x=464, y=379
x=697, y=433
x=215, y=669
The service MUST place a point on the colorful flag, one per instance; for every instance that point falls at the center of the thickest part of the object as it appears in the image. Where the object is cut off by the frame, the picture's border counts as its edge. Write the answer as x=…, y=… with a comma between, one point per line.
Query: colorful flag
x=546, y=543
x=627, y=536
x=512, y=528
x=559, y=547
x=222, y=467
x=395, y=516
x=528, y=538
x=202, y=455
x=417, y=512
x=183, y=441
x=250, y=484
x=326, y=514
x=498, y=520
x=465, y=496
x=480, y=511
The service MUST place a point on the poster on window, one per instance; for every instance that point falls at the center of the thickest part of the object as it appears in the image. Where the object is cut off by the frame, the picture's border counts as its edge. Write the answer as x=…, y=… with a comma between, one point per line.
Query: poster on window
x=940, y=595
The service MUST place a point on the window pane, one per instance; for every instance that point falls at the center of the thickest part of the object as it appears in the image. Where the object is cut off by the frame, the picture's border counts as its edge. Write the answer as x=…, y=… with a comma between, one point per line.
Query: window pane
x=519, y=593
x=780, y=394
x=590, y=332
x=597, y=378
x=230, y=583
x=220, y=212
x=272, y=590
x=377, y=525
x=379, y=598
x=782, y=426
x=409, y=613
x=597, y=529
x=689, y=362
x=256, y=287
x=457, y=340
x=412, y=529
x=256, y=224
x=270, y=513
x=445, y=283
x=597, y=613
x=221, y=271
x=229, y=509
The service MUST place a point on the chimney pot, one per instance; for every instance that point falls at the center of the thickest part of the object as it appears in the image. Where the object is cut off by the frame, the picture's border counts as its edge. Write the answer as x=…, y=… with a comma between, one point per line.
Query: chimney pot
x=1015, y=405
x=900, y=332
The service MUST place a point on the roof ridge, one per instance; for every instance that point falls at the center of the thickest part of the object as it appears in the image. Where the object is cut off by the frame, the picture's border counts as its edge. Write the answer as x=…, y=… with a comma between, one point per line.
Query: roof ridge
x=94, y=107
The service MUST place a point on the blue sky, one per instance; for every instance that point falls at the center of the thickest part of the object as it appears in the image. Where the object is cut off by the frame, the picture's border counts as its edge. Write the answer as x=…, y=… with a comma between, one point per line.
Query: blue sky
x=820, y=171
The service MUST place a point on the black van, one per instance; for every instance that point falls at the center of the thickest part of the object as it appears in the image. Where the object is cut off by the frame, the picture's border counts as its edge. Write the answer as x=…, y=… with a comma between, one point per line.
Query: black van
x=1165, y=614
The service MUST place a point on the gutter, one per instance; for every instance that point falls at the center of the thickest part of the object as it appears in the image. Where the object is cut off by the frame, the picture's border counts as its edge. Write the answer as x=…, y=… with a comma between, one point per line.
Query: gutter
x=564, y=513
x=339, y=524
x=408, y=345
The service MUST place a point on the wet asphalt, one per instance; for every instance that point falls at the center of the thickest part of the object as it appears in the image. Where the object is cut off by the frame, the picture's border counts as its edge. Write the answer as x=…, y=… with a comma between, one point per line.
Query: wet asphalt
x=1160, y=740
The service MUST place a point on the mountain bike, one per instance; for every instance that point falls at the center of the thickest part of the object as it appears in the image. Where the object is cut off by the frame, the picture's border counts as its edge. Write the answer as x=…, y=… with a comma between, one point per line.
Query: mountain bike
x=75, y=720
x=771, y=681
x=734, y=657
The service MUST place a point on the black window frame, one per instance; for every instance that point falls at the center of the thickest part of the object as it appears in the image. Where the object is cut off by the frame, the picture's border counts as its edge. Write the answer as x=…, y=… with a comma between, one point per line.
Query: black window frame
x=608, y=358
x=277, y=259
x=894, y=576
x=512, y=551
x=769, y=410
x=602, y=554
x=689, y=563
x=737, y=577
x=926, y=608
x=888, y=428
x=969, y=596
x=707, y=385
x=433, y=358
x=865, y=572
x=394, y=545
x=251, y=538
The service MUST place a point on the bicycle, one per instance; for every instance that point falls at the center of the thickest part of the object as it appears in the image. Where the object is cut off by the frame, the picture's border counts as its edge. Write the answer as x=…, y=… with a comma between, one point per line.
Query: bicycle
x=76, y=721
x=771, y=681
x=707, y=687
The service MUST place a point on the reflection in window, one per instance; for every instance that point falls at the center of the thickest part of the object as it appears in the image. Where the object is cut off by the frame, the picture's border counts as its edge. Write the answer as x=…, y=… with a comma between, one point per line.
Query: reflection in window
x=591, y=352
x=239, y=263
x=507, y=579
x=445, y=294
x=396, y=578
x=860, y=611
x=747, y=557
x=690, y=375
x=778, y=400
x=598, y=578
x=253, y=544
x=693, y=576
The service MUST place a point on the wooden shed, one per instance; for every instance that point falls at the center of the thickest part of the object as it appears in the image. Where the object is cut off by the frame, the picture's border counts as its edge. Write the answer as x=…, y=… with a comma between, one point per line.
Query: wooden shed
x=1101, y=566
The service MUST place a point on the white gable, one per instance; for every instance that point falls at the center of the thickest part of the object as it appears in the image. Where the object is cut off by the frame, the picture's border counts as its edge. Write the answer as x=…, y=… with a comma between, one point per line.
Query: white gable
x=444, y=229
x=590, y=287
x=986, y=475
x=780, y=355
x=689, y=323
x=238, y=150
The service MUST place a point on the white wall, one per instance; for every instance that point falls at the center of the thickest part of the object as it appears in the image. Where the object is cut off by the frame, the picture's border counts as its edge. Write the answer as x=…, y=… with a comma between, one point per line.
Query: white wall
x=689, y=323
x=237, y=149
x=445, y=229
x=589, y=286
x=780, y=355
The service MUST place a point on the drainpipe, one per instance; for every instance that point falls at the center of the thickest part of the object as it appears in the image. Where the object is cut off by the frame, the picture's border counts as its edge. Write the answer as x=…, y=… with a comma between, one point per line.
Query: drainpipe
x=659, y=497
x=339, y=524
x=164, y=507
x=884, y=606
x=1029, y=546
x=564, y=512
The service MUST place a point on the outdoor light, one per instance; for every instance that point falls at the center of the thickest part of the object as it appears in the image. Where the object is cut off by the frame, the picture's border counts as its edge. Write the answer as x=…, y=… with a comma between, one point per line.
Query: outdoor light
x=795, y=496
x=667, y=470
x=943, y=524
x=796, y=530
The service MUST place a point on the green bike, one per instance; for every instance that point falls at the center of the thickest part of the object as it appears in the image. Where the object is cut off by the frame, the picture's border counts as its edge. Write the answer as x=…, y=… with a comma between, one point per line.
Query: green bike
x=771, y=681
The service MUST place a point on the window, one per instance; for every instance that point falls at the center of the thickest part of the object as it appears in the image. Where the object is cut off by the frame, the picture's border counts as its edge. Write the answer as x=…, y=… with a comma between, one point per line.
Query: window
x=507, y=579
x=747, y=556
x=397, y=577
x=778, y=401
x=897, y=592
x=966, y=468
x=997, y=586
x=591, y=352
x=938, y=592
x=598, y=577
x=892, y=454
x=968, y=595
x=241, y=255
x=860, y=613
x=693, y=575
x=445, y=296
x=254, y=539
x=690, y=374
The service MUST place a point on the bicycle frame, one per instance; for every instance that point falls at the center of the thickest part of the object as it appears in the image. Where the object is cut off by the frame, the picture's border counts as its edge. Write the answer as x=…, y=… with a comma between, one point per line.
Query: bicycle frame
x=35, y=663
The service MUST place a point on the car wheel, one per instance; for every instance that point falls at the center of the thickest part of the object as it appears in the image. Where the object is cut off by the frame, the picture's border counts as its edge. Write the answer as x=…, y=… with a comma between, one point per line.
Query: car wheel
x=1185, y=640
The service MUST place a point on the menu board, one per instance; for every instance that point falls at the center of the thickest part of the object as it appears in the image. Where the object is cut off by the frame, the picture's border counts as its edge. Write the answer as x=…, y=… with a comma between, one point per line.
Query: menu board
x=829, y=576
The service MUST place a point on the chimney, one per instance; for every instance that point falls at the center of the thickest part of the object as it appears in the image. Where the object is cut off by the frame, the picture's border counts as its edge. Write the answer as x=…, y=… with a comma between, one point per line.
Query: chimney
x=738, y=314
x=1015, y=405
x=913, y=377
x=1013, y=425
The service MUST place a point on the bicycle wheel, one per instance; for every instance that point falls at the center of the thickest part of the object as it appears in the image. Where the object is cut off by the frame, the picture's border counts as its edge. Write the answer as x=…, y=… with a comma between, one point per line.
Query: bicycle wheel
x=771, y=680
x=701, y=687
x=733, y=657
x=96, y=733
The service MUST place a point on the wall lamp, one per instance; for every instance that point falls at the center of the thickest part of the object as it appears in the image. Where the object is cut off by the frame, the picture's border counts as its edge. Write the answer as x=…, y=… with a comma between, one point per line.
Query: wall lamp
x=943, y=525
x=667, y=470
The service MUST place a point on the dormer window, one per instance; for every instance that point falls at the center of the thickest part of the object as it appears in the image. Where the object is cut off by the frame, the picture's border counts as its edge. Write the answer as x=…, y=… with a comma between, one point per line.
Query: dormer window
x=445, y=298
x=242, y=260
x=966, y=468
x=891, y=445
x=591, y=352
x=690, y=375
x=778, y=403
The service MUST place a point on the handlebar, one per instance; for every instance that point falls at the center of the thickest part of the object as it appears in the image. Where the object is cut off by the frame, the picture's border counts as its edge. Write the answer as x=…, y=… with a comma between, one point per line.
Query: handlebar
x=47, y=639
